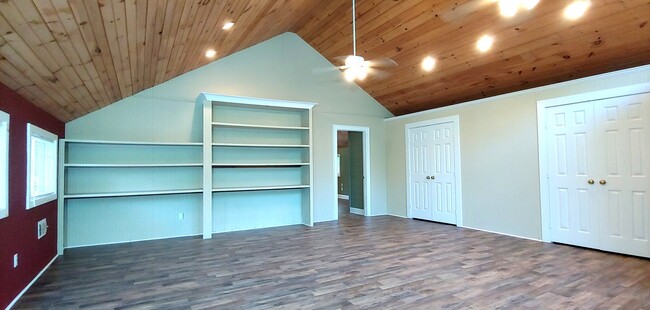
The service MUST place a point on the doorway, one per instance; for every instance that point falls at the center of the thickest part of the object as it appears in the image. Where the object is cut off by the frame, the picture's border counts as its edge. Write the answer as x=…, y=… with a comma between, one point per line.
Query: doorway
x=351, y=163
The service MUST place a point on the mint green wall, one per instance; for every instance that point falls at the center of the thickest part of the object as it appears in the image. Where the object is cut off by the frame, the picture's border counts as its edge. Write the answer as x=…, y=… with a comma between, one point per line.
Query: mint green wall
x=283, y=67
x=499, y=156
x=355, y=146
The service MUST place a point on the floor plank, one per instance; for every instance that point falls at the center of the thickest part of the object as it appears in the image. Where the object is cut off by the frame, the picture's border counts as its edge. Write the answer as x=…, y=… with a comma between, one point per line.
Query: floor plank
x=363, y=263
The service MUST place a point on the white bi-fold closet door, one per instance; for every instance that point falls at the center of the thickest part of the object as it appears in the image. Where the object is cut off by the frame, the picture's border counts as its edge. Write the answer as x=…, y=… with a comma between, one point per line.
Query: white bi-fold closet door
x=432, y=177
x=599, y=173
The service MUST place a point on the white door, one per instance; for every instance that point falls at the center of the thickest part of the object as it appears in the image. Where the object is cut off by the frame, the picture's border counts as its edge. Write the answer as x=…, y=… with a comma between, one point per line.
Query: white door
x=623, y=125
x=573, y=200
x=421, y=196
x=598, y=174
x=432, y=173
x=443, y=177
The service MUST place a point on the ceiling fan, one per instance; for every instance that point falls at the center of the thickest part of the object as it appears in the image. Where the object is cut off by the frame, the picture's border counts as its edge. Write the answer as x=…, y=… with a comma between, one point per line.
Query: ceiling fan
x=356, y=67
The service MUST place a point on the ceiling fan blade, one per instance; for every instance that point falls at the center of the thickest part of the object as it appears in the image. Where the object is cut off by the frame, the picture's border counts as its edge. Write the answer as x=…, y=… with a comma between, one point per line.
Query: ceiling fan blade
x=325, y=70
x=340, y=59
x=377, y=74
x=382, y=62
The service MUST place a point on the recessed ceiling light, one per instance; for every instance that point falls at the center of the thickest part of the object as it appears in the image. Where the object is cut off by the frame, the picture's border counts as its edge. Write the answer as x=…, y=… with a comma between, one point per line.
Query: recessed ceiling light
x=228, y=25
x=529, y=4
x=428, y=63
x=508, y=8
x=576, y=9
x=484, y=44
x=210, y=53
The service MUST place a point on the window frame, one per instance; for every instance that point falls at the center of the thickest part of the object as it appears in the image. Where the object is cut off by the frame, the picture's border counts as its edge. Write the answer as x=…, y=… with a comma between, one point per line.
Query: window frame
x=37, y=132
x=4, y=179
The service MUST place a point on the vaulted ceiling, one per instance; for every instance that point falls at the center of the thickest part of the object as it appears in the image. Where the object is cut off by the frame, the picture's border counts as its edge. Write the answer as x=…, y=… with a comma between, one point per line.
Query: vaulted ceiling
x=71, y=57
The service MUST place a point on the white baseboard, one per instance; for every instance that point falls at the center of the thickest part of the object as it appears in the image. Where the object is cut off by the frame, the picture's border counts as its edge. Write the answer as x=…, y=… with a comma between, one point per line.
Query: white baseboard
x=504, y=234
x=357, y=211
x=395, y=215
x=346, y=197
x=129, y=241
x=31, y=283
x=483, y=230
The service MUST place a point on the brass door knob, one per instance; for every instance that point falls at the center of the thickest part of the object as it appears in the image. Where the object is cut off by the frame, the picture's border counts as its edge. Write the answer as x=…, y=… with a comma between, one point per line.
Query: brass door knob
x=433, y=177
x=428, y=178
x=591, y=181
x=602, y=182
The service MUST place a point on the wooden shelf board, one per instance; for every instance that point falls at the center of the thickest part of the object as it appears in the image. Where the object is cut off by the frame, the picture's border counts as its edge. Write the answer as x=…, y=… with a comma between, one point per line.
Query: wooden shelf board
x=260, y=145
x=132, y=165
x=134, y=193
x=134, y=143
x=258, y=188
x=236, y=125
x=260, y=165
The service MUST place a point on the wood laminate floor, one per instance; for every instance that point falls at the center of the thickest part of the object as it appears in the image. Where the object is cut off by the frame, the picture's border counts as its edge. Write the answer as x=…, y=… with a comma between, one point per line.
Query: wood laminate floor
x=368, y=263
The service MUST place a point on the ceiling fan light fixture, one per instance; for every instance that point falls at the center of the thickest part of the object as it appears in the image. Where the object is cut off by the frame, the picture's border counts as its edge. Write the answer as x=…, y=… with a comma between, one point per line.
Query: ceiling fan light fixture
x=357, y=69
x=349, y=75
x=354, y=61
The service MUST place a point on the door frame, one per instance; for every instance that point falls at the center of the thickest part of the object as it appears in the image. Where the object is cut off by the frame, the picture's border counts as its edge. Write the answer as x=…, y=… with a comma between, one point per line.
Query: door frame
x=544, y=193
x=365, y=133
x=455, y=120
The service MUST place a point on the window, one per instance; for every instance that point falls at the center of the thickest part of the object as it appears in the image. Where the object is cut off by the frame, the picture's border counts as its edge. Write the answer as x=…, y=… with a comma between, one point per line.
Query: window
x=4, y=164
x=41, y=166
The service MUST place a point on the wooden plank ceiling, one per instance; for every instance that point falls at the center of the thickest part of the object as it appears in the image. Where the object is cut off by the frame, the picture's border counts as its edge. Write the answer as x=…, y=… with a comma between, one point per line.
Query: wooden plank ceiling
x=72, y=57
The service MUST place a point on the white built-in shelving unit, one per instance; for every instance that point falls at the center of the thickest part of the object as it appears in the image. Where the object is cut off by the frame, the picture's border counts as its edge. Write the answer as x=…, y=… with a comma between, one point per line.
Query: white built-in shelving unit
x=258, y=162
x=253, y=169
x=93, y=173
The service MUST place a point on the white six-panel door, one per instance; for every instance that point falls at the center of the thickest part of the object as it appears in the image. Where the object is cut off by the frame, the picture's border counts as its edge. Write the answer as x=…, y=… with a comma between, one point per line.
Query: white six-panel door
x=623, y=125
x=432, y=173
x=598, y=167
x=573, y=200
x=421, y=194
x=443, y=177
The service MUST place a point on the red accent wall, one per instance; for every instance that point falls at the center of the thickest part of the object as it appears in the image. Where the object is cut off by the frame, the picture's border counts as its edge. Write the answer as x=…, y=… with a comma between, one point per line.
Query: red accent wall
x=18, y=230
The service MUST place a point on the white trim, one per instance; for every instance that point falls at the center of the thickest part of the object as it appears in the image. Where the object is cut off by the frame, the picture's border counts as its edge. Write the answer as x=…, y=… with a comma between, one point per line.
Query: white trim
x=347, y=197
x=366, y=167
x=31, y=283
x=131, y=241
x=357, y=211
x=204, y=96
x=455, y=120
x=503, y=234
x=60, y=204
x=206, y=208
x=35, y=131
x=4, y=204
x=523, y=92
x=541, y=141
x=395, y=215
x=149, y=143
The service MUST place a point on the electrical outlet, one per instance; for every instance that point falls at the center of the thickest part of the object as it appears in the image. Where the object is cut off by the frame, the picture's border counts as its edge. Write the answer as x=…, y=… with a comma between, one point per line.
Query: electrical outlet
x=15, y=260
x=181, y=216
x=41, y=228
